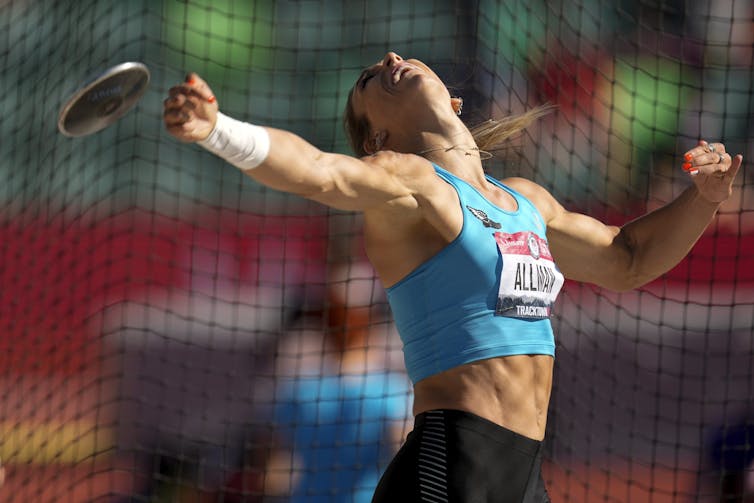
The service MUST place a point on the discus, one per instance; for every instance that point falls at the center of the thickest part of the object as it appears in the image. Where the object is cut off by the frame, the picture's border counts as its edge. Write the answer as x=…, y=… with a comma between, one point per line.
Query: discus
x=103, y=99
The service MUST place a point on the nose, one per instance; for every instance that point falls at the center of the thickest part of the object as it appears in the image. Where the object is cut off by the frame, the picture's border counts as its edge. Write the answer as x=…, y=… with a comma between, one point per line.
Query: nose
x=391, y=59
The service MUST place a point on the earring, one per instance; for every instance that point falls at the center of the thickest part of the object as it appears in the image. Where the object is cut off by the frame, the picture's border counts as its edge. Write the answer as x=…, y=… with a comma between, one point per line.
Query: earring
x=460, y=104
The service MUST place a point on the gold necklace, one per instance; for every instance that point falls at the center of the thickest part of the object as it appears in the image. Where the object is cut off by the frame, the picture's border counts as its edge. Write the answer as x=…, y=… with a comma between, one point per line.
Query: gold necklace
x=483, y=154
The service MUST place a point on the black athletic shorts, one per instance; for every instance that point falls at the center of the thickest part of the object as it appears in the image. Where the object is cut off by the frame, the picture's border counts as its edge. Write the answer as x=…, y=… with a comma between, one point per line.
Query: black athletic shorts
x=457, y=457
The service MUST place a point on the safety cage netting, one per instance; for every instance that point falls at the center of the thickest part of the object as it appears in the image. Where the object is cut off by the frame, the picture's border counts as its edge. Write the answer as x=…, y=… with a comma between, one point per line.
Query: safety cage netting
x=173, y=331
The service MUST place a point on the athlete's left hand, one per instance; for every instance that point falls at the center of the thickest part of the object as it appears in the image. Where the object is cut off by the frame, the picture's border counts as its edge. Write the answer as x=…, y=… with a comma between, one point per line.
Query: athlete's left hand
x=712, y=169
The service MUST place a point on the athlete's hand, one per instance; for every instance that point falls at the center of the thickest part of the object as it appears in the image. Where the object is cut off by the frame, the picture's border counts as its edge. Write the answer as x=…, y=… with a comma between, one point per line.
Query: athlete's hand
x=712, y=170
x=190, y=111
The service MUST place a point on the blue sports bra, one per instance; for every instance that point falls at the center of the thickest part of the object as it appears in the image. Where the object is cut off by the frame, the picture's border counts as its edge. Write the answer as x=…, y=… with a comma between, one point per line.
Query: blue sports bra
x=489, y=293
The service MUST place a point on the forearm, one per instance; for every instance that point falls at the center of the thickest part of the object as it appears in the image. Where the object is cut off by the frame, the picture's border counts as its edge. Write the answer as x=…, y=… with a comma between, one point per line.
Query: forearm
x=276, y=158
x=288, y=163
x=659, y=240
x=623, y=258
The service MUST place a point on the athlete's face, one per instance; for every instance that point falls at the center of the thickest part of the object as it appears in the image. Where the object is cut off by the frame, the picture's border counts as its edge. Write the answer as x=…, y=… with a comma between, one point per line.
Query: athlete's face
x=395, y=92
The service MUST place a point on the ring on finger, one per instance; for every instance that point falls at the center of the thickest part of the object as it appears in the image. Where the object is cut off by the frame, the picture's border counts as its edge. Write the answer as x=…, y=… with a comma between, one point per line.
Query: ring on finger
x=711, y=148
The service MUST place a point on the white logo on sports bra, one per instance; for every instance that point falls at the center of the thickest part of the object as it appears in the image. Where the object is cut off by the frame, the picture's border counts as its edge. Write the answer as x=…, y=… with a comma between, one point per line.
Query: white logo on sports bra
x=533, y=246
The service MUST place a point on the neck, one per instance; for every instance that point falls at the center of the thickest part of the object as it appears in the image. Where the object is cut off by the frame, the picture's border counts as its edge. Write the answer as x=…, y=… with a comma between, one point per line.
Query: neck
x=456, y=152
x=464, y=149
x=446, y=141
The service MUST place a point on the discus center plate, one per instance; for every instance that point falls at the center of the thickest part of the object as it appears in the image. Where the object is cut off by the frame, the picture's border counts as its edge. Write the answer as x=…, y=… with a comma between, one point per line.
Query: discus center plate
x=104, y=99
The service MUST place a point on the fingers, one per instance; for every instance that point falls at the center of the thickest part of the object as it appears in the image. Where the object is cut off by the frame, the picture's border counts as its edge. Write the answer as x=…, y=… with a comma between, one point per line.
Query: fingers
x=707, y=148
x=175, y=117
x=200, y=87
x=178, y=106
x=711, y=168
x=178, y=99
x=709, y=158
x=190, y=109
x=716, y=147
x=189, y=94
x=183, y=96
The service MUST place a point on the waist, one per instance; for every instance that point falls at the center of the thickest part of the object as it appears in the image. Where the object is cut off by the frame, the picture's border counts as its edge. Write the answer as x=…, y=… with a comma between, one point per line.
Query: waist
x=459, y=419
x=510, y=391
x=445, y=350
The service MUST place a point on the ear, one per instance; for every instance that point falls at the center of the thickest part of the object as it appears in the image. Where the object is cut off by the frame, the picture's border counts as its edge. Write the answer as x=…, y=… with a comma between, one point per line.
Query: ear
x=374, y=142
x=456, y=102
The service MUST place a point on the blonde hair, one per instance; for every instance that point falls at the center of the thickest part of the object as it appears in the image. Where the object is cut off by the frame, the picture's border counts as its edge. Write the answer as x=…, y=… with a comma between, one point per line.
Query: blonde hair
x=489, y=136
x=492, y=134
x=357, y=128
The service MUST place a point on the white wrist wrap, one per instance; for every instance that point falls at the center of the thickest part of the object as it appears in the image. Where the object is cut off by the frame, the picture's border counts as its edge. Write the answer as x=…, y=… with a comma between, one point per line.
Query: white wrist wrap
x=243, y=145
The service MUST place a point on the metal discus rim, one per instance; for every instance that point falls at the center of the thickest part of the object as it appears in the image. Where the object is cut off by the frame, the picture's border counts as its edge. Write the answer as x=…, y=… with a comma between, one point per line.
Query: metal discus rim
x=104, y=99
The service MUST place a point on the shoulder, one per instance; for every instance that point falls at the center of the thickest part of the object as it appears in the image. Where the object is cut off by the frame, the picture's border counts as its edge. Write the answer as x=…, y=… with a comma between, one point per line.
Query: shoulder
x=404, y=166
x=540, y=197
x=415, y=174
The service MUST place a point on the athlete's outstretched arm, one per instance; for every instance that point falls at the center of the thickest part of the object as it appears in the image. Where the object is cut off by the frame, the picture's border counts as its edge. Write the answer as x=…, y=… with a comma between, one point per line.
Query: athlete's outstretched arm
x=278, y=158
x=626, y=257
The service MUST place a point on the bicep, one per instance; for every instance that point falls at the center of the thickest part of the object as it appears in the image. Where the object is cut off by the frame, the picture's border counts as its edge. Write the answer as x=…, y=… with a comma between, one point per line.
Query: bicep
x=360, y=184
x=336, y=180
x=586, y=249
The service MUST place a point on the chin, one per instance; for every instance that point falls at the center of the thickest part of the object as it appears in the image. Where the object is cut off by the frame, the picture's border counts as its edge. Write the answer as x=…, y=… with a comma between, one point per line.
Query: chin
x=428, y=90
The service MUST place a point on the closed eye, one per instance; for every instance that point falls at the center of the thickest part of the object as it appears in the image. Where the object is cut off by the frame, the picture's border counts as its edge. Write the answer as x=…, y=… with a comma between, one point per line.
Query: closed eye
x=367, y=74
x=365, y=79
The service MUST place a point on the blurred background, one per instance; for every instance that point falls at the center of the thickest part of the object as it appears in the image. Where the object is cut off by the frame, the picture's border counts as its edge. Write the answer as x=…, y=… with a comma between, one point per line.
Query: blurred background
x=171, y=331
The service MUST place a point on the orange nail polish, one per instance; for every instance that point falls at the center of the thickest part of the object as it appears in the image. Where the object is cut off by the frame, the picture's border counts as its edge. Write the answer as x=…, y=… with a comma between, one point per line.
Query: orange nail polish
x=191, y=81
x=211, y=99
x=687, y=166
x=688, y=157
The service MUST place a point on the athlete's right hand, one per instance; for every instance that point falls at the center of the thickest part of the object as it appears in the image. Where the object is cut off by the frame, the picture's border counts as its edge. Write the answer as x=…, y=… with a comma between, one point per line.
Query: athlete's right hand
x=190, y=111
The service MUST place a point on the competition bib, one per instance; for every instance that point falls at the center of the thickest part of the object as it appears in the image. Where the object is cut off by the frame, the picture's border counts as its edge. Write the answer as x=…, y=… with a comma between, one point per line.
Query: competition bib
x=529, y=281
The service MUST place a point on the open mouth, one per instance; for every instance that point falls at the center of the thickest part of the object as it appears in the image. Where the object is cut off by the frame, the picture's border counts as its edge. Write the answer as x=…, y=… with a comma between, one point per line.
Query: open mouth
x=399, y=71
